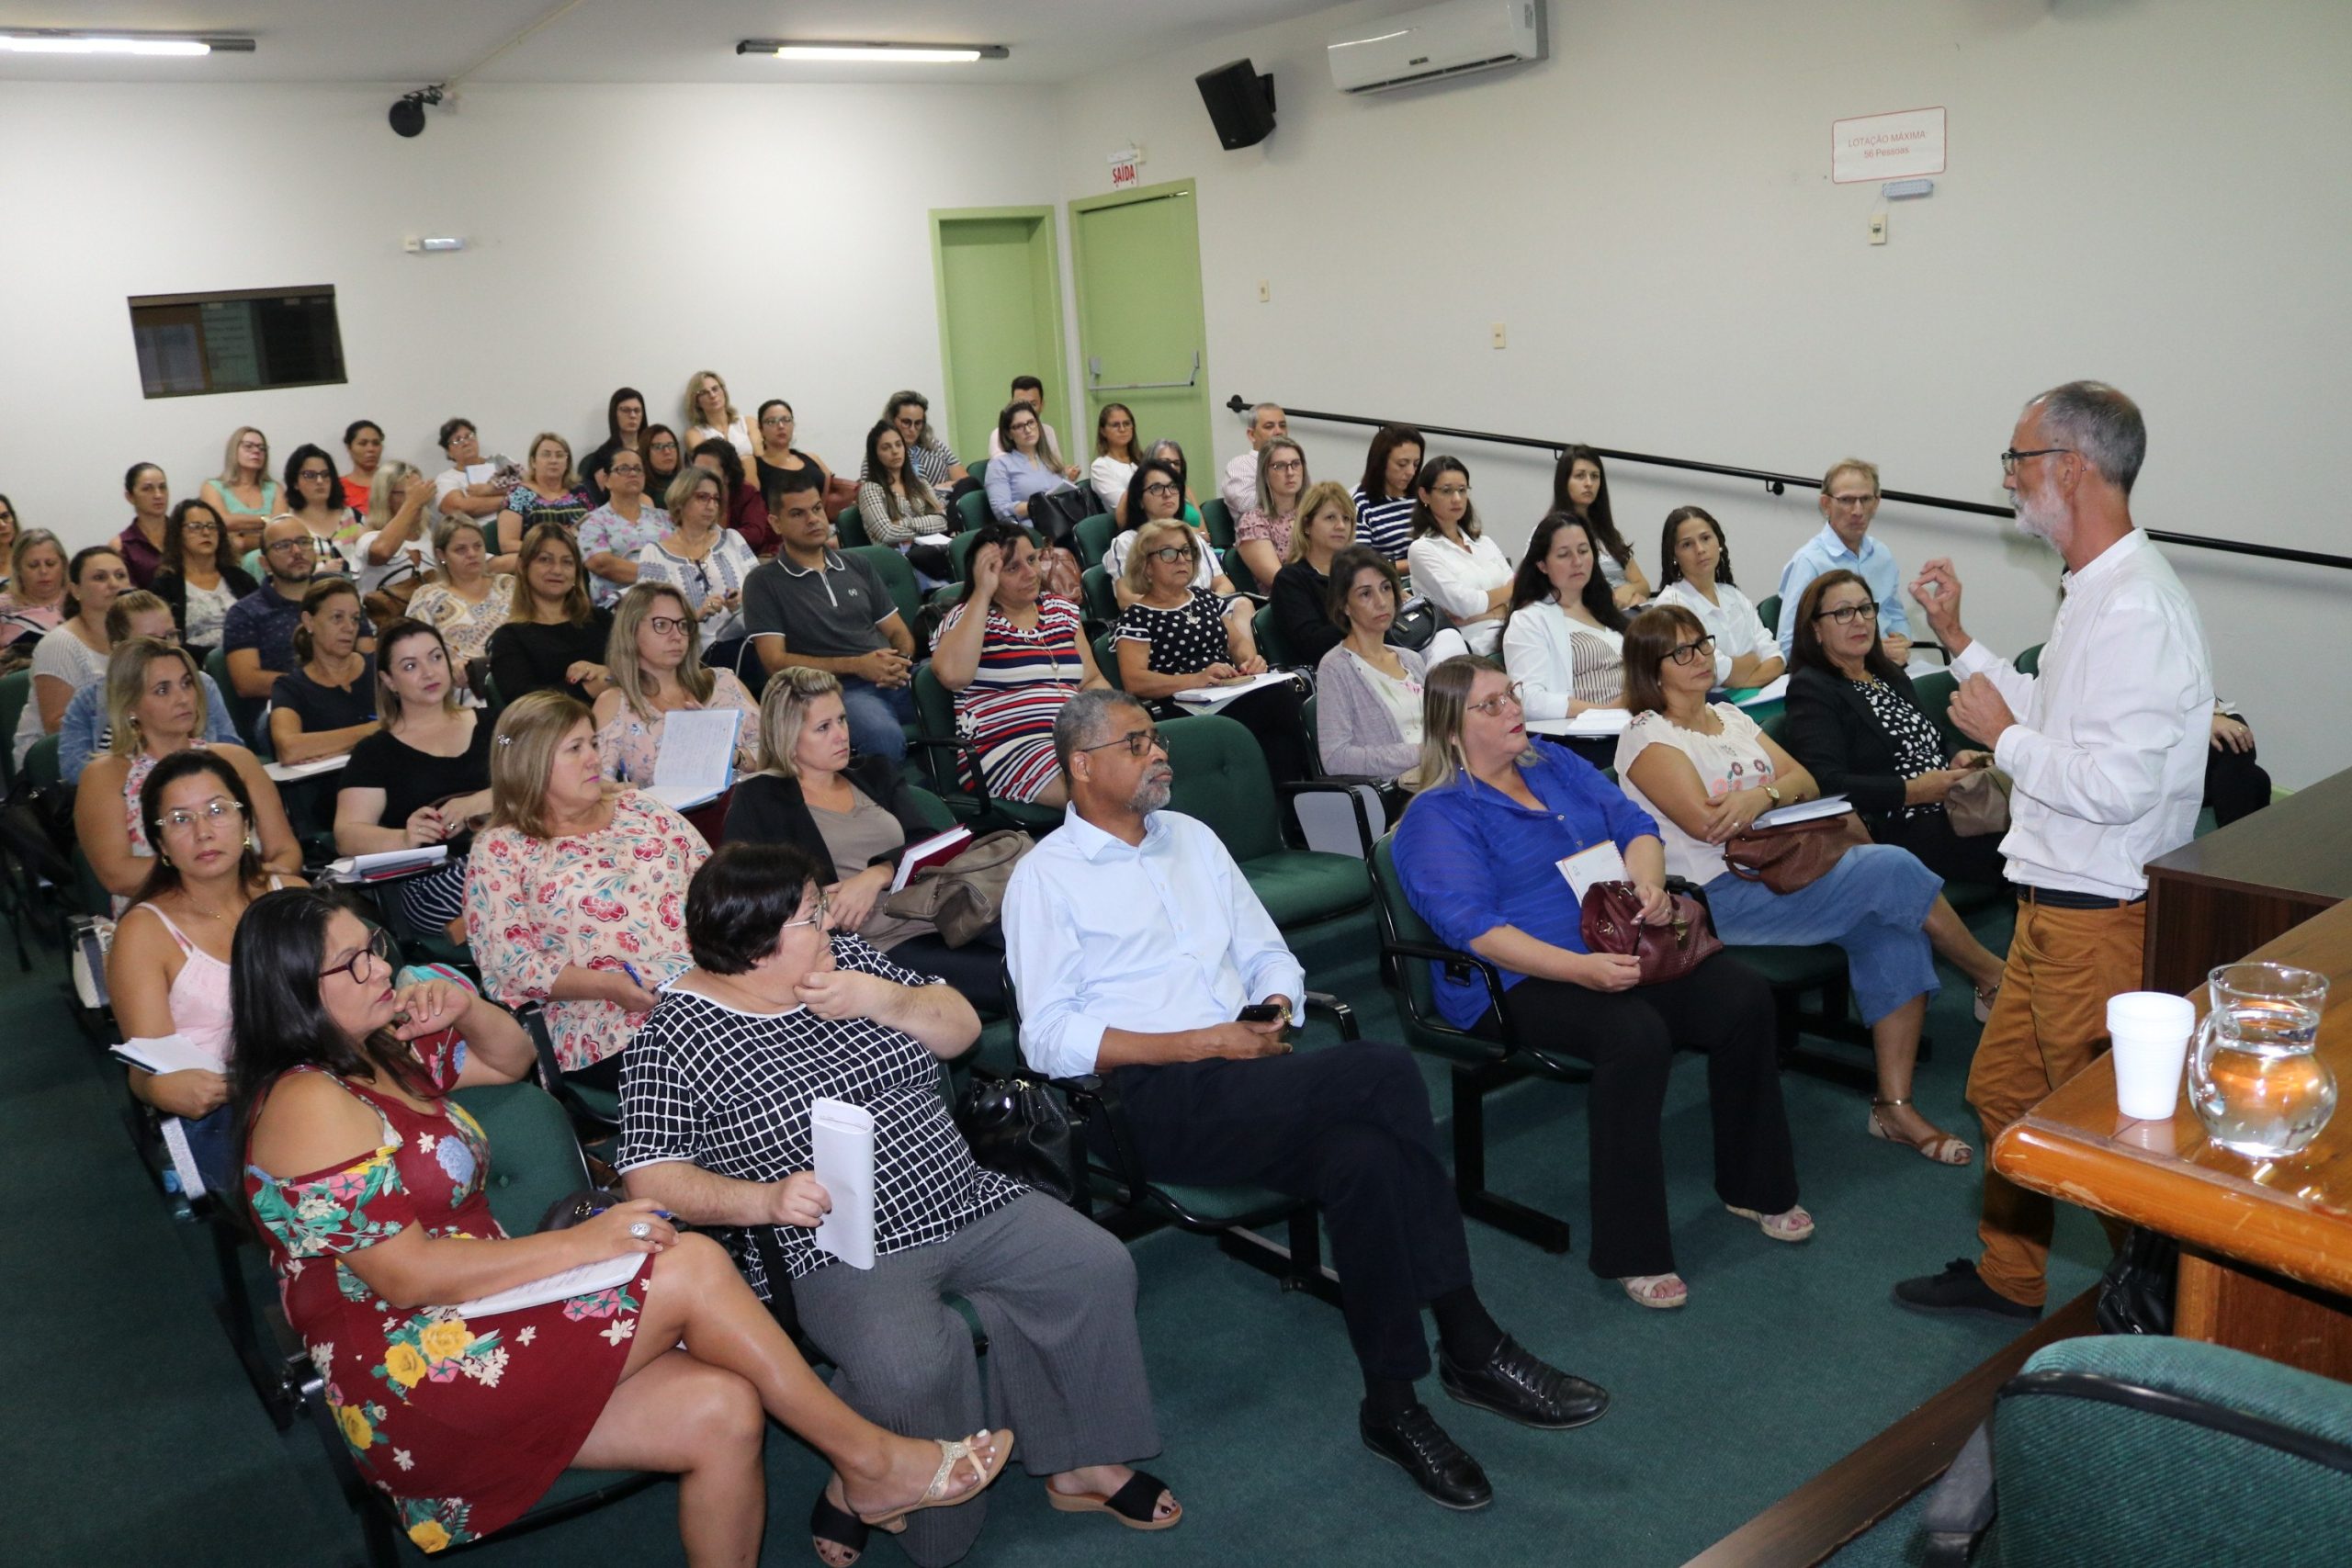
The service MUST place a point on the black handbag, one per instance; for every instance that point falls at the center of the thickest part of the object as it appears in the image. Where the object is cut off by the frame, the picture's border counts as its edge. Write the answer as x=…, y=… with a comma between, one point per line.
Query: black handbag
x=2135, y=1295
x=1414, y=626
x=1055, y=514
x=1018, y=1129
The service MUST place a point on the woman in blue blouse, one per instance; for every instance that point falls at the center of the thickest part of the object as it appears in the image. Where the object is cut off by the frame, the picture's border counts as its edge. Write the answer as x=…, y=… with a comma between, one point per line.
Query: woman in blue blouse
x=1478, y=853
x=1030, y=467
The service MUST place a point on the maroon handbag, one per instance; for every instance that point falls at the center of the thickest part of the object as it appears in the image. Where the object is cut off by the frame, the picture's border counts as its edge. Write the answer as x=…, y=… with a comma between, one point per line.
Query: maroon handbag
x=1793, y=856
x=1613, y=922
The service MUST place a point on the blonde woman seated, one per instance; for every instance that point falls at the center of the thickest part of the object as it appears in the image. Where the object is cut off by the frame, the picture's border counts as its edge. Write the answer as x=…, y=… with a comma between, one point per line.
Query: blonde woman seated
x=1368, y=694
x=167, y=972
x=326, y=704
x=1301, y=592
x=854, y=818
x=1262, y=536
x=1705, y=772
x=420, y=779
x=655, y=661
x=1695, y=572
x=1013, y=657
x=156, y=709
x=369, y=1191
x=468, y=601
x=551, y=492
x=1562, y=640
x=575, y=893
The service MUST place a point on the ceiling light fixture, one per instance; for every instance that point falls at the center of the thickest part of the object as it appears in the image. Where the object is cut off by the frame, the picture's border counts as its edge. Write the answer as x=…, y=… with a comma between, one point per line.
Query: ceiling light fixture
x=887, y=53
x=64, y=41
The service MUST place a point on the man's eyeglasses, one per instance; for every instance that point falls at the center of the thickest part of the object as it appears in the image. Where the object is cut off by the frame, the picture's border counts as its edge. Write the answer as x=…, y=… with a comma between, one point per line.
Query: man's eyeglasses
x=1844, y=614
x=1511, y=696
x=667, y=625
x=1175, y=553
x=815, y=916
x=1685, y=652
x=381, y=947
x=1137, y=741
x=224, y=812
x=2012, y=458
x=1853, y=502
x=286, y=546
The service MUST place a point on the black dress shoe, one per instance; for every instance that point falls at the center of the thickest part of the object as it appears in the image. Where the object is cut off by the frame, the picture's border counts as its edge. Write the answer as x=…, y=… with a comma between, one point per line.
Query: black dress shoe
x=1516, y=1385
x=1415, y=1444
x=1959, y=1293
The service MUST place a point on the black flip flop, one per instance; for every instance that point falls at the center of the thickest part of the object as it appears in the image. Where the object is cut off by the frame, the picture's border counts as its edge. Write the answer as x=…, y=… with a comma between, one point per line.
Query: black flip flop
x=838, y=1527
x=1132, y=1505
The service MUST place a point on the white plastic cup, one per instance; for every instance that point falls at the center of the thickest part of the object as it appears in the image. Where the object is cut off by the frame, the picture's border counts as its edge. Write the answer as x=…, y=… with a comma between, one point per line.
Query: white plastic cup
x=2150, y=1033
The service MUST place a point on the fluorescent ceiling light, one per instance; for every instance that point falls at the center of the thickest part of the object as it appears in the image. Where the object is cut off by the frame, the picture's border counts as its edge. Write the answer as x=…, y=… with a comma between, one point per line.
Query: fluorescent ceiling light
x=899, y=54
x=58, y=40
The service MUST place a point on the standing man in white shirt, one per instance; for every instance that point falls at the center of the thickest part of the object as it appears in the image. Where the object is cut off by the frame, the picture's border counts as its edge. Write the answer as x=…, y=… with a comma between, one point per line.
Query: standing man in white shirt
x=1240, y=486
x=2109, y=761
x=1136, y=946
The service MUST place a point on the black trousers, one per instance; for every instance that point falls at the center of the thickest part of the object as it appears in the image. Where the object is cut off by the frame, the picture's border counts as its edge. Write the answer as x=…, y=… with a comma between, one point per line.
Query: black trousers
x=2236, y=785
x=1276, y=716
x=1348, y=1127
x=974, y=969
x=1722, y=1009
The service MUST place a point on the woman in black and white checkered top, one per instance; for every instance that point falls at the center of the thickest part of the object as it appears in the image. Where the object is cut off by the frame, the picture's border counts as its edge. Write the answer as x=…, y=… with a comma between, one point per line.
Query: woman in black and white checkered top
x=779, y=1012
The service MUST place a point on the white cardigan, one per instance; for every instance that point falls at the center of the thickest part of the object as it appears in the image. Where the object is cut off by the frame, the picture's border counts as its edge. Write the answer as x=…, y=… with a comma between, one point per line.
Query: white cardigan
x=1539, y=650
x=1457, y=581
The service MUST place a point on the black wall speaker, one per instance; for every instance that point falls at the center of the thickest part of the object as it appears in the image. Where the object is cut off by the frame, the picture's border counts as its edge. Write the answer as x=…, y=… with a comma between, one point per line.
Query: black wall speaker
x=1240, y=103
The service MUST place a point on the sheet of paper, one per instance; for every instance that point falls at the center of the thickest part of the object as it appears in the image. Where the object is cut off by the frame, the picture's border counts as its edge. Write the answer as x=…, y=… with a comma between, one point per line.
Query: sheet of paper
x=386, y=862
x=481, y=473
x=175, y=1134
x=698, y=750
x=841, y=1138
x=1600, y=864
x=1806, y=811
x=1771, y=692
x=166, y=1054
x=1596, y=724
x=1211, y=698
x=286, y=773
x=585, y=1280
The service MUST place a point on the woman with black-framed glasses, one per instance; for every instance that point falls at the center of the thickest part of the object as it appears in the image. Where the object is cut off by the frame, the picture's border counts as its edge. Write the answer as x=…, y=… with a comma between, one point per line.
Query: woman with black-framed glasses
x=167, y=972
x=1156, y=495
x=1705, y=772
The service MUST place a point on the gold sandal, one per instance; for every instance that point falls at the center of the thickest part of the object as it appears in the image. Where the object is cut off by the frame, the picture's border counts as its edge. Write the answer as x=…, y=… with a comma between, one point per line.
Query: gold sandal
x=951, y=1454
x=1937, y=1146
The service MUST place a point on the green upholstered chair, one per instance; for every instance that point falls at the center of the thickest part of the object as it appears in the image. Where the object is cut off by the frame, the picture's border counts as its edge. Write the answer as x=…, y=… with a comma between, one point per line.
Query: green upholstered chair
x=1769, y=612
x=1221, y=779
x=1238, y=570
x=850, y=524
x=244, y=712
x=15, y=691
x=2151, y=1450
x=1218, y=519
x=953, y=772
x=1479, y=1064
x=1106, y=659
x=2030, y=661
x=897, y=576
x=971, y=510
x=1272, y=646
x=1102, y=605
x=1094, y=536
x=979, y=472
x=1935, y=691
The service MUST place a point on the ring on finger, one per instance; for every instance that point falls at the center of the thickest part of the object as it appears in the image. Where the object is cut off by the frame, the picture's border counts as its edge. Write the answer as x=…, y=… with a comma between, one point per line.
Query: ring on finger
x=641, y=1229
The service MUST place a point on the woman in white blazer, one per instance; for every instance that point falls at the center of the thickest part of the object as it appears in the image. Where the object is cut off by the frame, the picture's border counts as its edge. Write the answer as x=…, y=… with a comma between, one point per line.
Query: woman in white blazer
x=1563, y=638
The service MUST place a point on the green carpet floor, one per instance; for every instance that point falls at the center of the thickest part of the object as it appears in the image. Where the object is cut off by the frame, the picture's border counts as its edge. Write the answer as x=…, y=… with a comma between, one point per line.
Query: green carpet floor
x=132, y=1438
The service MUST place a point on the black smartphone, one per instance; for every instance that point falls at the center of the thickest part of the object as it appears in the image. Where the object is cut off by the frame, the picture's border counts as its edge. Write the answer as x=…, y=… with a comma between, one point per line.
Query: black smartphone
x=1264, y=1012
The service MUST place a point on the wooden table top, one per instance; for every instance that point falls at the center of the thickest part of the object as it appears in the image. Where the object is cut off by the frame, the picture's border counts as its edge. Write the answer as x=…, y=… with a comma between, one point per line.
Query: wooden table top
x=2288, y=1216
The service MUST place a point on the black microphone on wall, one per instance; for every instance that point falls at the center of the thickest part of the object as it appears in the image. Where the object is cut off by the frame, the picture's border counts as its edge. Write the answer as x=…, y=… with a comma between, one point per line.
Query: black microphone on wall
x=1240, y=103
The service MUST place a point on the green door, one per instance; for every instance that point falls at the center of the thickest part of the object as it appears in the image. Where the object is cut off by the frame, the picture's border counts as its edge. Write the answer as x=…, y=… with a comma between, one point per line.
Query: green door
x=1137, y=259
x=999, y=316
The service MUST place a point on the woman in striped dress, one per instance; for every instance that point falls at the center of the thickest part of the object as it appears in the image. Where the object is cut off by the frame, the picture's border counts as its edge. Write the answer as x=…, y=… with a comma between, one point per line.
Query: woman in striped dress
x=1012, y=662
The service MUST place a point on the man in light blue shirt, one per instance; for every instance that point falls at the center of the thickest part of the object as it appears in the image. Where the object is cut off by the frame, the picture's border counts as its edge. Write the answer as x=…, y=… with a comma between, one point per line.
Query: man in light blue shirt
x=1849, y=502
x=82, y=733
x=1136, y=946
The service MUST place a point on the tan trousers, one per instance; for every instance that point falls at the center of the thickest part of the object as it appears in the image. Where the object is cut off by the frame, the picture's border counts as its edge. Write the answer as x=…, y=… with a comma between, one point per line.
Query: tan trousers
x=2049, y=1024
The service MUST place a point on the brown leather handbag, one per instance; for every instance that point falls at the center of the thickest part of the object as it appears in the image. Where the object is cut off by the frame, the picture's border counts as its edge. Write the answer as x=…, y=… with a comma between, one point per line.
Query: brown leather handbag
x=1613, y=922
x=1978, y=804
x=1794, y=855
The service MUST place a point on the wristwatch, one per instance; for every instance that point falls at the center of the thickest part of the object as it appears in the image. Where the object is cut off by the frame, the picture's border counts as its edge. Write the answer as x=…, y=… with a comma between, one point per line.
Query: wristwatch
x=1772, y=793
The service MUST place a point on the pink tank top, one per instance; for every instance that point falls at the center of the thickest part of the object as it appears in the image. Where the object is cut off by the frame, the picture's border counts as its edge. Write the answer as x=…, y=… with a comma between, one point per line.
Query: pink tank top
x=199, y=994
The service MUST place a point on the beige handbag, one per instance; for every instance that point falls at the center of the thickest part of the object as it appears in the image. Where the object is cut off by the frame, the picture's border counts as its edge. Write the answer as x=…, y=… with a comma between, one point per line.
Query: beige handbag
x=1978, y=803
x=962, y=897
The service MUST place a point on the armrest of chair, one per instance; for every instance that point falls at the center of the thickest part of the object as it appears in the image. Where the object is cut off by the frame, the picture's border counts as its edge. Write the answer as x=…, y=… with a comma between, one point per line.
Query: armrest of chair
x=1094, y=1100
x=1457, y=961
x=1344, y=785
x=953, y=785
x=533, y=1020
x=1340, y=1013
x=1961, y=1507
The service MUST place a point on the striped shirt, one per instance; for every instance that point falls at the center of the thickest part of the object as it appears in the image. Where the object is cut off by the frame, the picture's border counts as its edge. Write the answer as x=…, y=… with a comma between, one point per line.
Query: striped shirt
x=1385, y=525
x=1024, y=678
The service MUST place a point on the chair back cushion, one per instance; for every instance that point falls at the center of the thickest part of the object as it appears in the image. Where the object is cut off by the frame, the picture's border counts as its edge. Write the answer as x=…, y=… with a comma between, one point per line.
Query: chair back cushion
x=1094, y=539
x=897, y=576
x=1218, y=519
x=1221, y=778
x=534, y=1158
x=851, y=526
x=1403, y=923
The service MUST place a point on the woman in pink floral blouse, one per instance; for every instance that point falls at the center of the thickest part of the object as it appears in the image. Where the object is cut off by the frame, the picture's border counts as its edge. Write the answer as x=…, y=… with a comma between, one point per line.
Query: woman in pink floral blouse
x=575, y=893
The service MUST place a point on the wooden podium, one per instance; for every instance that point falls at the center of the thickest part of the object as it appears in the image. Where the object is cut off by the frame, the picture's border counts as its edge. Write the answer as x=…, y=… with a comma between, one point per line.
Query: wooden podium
x=2218, y=898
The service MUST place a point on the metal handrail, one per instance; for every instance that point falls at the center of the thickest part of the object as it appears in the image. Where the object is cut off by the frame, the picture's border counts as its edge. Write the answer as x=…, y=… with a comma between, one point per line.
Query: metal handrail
x=1778, y=483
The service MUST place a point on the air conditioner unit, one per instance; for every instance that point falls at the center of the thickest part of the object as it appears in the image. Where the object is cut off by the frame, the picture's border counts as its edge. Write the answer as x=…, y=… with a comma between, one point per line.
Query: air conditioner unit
x=1449, y=40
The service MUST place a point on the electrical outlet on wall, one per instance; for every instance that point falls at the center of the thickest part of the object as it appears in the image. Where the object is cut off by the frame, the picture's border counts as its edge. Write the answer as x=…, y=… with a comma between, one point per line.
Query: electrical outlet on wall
x=1878, y=228
x=1498, y=334
x=1265, y=290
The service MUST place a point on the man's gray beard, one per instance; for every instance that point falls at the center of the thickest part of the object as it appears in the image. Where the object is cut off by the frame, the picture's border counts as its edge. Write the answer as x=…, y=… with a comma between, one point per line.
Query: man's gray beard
x=2039, y=520
x=1150, y=796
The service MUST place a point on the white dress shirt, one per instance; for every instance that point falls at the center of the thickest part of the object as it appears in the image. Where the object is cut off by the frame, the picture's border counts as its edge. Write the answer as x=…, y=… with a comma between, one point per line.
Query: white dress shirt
x=1731, y=620
x=1240, y=486
x=1155, y=938
x=2109, y=751
x=1110, y=477
x=1457, y=580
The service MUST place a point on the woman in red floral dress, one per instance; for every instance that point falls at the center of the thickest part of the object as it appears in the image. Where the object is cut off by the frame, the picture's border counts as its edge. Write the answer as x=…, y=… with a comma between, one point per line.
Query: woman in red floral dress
x=380, y=1223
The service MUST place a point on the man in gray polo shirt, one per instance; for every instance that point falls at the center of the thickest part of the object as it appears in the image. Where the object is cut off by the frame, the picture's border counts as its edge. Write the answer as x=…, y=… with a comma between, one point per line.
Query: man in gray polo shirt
x=826, y=610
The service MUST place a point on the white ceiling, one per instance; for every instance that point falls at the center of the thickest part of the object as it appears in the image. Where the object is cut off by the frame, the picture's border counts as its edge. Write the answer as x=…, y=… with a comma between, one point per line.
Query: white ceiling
x=410, y=43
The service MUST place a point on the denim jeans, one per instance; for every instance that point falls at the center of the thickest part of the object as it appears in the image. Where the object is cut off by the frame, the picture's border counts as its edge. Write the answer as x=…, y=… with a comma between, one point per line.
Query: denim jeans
x=875, y=714
x=1873, y=903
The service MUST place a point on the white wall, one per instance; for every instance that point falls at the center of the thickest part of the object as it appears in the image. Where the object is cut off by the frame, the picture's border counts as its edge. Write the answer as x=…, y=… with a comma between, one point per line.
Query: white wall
x=812, y=282
x=2146, y=191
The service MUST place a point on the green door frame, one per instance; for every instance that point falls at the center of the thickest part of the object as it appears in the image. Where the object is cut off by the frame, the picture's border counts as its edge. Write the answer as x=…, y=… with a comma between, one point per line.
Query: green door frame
x=945, y=215
x=1078, y=265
